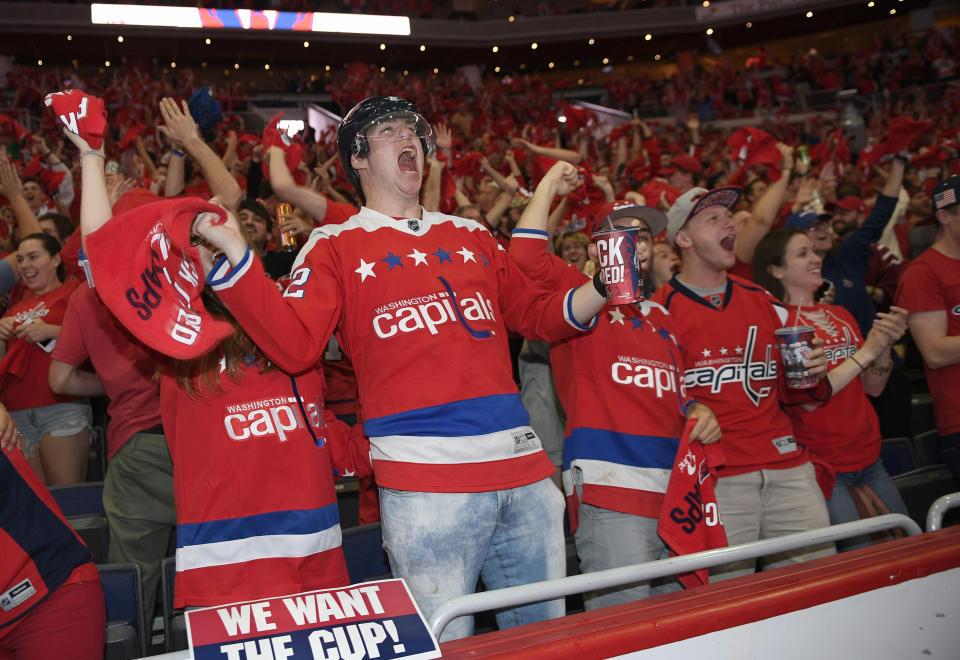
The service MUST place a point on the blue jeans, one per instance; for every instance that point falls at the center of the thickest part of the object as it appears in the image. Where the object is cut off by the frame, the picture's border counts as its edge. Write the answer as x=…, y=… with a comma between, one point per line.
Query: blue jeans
x=440, y=543
x=841, y=506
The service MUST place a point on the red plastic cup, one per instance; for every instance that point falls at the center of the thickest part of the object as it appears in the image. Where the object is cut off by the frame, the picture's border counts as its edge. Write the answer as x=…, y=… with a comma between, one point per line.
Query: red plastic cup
x=795, y=345
x=620, y=264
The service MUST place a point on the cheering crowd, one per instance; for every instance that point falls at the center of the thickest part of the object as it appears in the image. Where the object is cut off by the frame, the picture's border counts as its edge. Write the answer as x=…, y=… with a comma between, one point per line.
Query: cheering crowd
x=415, y=300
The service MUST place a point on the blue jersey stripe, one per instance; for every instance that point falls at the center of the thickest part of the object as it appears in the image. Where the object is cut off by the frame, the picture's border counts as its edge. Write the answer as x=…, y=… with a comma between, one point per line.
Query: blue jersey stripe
x=480, y=416
x=303, y=521
x=646, y=451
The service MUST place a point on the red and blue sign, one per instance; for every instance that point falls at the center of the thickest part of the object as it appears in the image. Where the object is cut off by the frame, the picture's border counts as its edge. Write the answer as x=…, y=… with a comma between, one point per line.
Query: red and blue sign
x=369, y=620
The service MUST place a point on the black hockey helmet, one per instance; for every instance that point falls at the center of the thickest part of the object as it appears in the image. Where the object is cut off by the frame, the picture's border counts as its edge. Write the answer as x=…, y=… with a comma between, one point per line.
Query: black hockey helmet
x=352, y=132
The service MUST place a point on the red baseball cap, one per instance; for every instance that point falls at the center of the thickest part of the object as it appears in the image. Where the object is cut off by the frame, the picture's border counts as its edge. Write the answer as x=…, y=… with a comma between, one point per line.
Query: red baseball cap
x=848, y=203
x=687, y=163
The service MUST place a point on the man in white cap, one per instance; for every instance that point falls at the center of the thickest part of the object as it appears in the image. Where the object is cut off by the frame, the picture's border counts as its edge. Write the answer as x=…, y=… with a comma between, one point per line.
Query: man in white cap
x=726, y=327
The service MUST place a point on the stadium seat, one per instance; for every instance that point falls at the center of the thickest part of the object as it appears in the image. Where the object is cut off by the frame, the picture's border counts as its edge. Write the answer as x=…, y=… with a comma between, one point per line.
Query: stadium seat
x=927, y=447
x=921, y=414
x=921, y=487
x=363, y=549
x=95, y=533
x=123, y=595
x=84, y=499
x=174, y=621
x=898, y=455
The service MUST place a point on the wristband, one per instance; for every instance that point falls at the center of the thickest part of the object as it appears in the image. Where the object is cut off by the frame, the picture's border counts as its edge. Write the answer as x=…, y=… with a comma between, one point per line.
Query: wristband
x=599, y=285
x=178, y=154
x=91, y=152
x=881, y=370
x=854, y=358
x=902, y=159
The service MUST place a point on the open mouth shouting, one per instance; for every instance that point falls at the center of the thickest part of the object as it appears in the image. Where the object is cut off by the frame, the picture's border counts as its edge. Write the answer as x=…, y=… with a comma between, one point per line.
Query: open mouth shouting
x=408, y=160
x=729, y=242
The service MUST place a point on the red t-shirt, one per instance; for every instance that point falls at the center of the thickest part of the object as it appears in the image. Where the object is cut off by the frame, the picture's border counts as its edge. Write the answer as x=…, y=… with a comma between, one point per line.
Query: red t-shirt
x=338, y=212
x=843, y=432
x=931, y=282
x=126, y=370
x=25, y=369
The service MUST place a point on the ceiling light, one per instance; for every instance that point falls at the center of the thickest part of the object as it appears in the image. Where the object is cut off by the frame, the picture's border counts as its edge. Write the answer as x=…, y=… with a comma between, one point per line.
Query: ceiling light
x=69, y=37
x=657, y=57
x=208, y=41
x=306, y=44
x=423, y=47
x=533, y=46
x=893, y=11
x=236, y=66
x=606, y=60
x=809, y=14
x=383, y=46
x=591, y=41
x=107, y=63
x=749, y=25
x=709, y=31
x=648, y=36
x=550, y=65
x=266, y=67
x=120, y=39
x=39, y=62
x=706, y=3
x=496, y=69
x=326, y=68
x=579, y=81
x=383, y=69
x=511, y=19
x=495, y=49
x=436, y=70
x=869, y=4
x=173, y=65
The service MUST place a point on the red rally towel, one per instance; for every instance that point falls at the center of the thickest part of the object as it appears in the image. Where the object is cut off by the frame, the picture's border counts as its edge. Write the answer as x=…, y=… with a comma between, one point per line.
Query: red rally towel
x=752, y=146
x=150, y=276
x=690, y=520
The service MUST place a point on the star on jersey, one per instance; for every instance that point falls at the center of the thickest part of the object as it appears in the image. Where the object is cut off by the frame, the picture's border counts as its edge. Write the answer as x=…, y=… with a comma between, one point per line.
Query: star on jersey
x=393, y=260
x=636, y=323
x=365, y=270
x=616, y=316
x=418, y=257
x=466, y=254
x=442, y=255
x=723, y=350
x=739, y=350
x=706, y=352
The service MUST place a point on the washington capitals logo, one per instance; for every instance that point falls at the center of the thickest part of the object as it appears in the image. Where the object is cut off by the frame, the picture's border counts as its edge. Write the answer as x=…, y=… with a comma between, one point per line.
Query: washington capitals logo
x=744, y=372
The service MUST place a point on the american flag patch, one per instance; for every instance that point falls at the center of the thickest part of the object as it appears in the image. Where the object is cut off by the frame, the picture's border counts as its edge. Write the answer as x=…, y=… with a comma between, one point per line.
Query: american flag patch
x=945, y=198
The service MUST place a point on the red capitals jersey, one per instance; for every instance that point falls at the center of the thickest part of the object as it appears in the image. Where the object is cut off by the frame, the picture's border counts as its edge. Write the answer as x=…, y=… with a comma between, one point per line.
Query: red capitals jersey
x=256, y=508
x=422, y=308
x=854, y=444
x=40, y=551
x=731, y=362
x=931, y=283
x=621, y=390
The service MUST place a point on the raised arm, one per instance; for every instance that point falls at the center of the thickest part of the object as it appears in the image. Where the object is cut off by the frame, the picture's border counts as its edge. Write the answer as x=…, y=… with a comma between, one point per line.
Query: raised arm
x=550, y=152
x=12, y=188
x=765, y=209
x=281, y=180
x=182, y=128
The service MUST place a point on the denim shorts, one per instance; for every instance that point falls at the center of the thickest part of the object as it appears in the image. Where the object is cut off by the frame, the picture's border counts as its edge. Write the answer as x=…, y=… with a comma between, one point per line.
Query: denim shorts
x=58, y=420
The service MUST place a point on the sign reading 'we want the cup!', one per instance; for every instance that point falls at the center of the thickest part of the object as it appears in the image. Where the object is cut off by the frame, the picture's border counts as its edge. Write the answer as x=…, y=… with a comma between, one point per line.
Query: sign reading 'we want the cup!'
x=369, y=620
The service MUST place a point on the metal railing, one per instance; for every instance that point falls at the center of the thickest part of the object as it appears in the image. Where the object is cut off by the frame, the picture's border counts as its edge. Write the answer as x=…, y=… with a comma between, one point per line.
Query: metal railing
x=559, y=588
x=614, y=577
x=940, y=507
